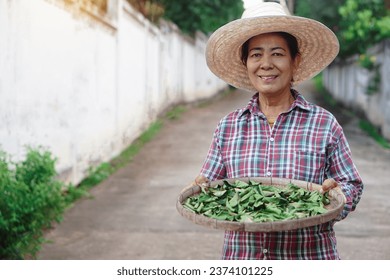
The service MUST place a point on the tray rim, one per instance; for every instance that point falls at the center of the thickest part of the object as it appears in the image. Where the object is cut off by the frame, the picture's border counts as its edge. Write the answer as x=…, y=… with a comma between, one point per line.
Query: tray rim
x=336, y=196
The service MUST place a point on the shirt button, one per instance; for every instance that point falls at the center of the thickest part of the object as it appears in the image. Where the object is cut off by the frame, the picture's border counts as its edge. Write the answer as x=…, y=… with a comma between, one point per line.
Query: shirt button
x=272, y=139
x=269, y=173
x=265, y=251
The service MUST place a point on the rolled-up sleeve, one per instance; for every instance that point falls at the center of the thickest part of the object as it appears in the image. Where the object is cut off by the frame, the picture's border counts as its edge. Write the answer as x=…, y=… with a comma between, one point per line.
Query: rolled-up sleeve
x=213, y=167
x=344, y=171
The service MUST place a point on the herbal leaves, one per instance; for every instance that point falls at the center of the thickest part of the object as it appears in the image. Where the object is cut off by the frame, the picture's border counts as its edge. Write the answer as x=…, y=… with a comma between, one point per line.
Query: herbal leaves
x=254, y=202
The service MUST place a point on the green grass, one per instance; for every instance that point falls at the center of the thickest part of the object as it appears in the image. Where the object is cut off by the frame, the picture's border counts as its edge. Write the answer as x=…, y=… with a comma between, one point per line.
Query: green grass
x=224, y=93
x=318, y=84
x=106, y=169
x=175, y=113
x=373, y=132
x=128, y=154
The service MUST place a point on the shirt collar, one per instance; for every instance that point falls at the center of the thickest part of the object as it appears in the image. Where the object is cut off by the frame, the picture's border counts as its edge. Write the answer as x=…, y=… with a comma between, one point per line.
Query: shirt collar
x=253, y=105
x=300, y=101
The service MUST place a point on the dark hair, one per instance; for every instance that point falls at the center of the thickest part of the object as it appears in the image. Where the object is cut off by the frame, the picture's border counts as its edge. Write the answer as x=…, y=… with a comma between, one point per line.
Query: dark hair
x=291, y=41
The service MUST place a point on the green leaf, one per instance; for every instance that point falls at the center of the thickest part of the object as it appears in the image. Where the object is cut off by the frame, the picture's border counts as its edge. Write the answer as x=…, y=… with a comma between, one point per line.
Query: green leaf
x=241, y=184
x=234, y=201
x=218, y=193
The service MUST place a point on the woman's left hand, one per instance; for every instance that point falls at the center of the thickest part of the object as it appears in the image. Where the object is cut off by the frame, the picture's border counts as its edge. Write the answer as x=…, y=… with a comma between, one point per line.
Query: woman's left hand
x=328, y=184
x=331, y=184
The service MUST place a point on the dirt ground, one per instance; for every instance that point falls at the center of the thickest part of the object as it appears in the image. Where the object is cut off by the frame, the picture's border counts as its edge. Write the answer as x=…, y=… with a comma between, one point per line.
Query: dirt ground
x=132, y=215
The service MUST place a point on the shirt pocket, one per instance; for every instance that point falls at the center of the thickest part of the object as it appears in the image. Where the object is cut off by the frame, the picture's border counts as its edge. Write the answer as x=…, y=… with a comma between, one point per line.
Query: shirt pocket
x=309, y=166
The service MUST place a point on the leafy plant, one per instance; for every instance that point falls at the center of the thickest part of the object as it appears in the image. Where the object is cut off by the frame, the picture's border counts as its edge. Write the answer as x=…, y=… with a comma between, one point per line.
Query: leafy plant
x=151, y=9
x=367, y=61
x=363, y=24
x=323, y=11
x=31, y=199
x=374, y=83
x=191, y=15
x=357, y=24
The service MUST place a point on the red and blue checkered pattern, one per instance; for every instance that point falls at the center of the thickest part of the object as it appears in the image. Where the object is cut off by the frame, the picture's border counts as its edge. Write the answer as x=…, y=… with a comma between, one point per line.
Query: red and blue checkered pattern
x=305, y=143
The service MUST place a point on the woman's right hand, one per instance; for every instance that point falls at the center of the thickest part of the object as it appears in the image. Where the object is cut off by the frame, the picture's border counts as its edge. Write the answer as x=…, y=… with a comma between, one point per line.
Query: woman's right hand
x=202, y=182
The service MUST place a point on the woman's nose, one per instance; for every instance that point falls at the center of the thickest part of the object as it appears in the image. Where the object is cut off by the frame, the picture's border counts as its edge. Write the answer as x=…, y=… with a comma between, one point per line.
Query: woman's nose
x=266, y=63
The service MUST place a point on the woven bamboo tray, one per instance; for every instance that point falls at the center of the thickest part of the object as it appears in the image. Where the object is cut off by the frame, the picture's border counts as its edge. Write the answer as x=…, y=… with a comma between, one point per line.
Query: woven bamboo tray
x=337, y=201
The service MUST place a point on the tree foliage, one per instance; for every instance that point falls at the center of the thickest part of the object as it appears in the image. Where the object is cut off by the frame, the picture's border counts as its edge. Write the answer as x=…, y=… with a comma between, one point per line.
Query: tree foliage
x=363, y=24
x=323, y=11
x=191, y=15
x=151, y=9
x=202, y=15
x=357, y=24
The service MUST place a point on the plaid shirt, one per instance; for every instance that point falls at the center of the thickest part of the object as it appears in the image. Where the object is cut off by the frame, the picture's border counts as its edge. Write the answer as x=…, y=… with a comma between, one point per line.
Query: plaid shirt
x=306, y=143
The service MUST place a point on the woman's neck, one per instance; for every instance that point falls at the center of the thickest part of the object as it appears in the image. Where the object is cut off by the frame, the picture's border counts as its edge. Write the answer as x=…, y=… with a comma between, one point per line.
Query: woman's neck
x=272, y=106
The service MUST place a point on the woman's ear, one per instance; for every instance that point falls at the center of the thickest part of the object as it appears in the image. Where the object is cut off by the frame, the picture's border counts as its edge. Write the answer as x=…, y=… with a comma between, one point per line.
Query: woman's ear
x=297, y=61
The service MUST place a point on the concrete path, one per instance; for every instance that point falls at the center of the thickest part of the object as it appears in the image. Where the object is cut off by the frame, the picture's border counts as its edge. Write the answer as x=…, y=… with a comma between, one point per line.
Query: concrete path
x=132, y=215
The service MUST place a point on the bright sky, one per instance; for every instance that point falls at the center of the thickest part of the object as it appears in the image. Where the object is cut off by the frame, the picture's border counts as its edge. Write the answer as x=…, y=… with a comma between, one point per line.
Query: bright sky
x=249, y=2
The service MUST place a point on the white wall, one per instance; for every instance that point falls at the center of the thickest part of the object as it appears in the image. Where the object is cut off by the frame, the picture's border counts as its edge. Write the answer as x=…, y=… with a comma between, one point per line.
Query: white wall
x=86, y=86
x=347, y=82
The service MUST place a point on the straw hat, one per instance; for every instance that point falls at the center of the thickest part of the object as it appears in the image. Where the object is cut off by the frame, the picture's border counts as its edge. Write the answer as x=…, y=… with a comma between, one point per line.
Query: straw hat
x=317, y=44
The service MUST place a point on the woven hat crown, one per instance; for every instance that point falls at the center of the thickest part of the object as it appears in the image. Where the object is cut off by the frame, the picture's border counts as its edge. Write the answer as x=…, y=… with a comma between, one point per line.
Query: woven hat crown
x=317, y=44
x=267, y=9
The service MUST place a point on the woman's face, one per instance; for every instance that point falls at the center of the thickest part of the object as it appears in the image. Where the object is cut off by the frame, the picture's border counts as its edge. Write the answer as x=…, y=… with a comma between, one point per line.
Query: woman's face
x=270, y=65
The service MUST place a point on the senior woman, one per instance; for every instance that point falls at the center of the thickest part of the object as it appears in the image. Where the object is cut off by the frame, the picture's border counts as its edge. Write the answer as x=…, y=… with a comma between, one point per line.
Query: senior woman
x=279, y=133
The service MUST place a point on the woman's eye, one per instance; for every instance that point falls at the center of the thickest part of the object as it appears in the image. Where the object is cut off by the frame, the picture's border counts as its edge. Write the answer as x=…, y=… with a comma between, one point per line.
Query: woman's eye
x=256, y=55
x=277, y=54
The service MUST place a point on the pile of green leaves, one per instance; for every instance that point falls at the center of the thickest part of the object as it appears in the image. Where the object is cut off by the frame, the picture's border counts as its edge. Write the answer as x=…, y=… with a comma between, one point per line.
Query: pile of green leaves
x=254, y=202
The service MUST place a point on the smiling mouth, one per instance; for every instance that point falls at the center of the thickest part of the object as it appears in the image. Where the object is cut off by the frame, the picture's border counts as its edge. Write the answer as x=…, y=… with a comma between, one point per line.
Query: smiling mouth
x=268, y=77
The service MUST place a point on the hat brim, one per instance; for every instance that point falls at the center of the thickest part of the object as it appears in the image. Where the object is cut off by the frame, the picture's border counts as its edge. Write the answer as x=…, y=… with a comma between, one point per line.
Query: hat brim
x=317, y=44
